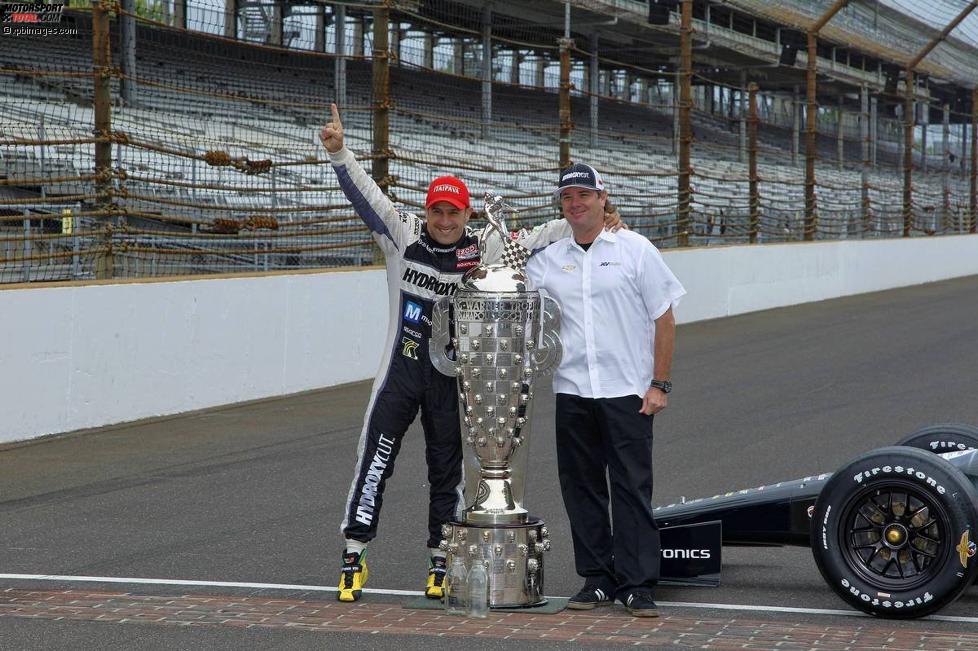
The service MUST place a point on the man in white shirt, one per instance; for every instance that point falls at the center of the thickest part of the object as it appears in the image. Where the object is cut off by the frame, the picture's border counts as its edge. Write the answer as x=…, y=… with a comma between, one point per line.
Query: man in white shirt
x=617, y=329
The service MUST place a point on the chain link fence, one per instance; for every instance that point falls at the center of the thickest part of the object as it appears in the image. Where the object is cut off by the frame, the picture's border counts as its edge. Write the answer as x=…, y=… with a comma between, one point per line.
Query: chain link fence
x=164, y=139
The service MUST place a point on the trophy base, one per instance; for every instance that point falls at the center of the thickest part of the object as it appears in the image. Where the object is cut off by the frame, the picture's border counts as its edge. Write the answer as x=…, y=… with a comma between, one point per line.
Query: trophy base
x=514, y=553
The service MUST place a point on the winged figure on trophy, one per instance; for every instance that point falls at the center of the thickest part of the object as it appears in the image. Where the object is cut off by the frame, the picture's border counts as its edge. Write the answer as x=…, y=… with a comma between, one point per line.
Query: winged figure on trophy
x=496, y=336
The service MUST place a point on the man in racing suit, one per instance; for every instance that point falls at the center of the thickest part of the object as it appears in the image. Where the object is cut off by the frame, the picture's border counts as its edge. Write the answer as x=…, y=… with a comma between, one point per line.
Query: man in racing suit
x=425, y=260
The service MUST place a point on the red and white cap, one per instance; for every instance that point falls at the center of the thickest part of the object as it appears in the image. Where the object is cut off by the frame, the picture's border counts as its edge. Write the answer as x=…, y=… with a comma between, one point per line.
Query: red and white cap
x=450, y=189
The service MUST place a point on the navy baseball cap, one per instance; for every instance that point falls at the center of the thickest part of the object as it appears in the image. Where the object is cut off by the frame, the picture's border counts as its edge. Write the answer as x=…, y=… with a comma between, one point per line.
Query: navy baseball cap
x=580, y=176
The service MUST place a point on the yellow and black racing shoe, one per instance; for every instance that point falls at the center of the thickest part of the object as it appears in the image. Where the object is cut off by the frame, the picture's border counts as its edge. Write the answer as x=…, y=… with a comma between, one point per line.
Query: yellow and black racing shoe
x=353, y=576
x=437, y=568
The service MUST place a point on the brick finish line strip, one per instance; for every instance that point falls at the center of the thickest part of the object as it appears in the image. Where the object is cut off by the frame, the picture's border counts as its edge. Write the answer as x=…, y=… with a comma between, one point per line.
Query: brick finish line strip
x=611, y=626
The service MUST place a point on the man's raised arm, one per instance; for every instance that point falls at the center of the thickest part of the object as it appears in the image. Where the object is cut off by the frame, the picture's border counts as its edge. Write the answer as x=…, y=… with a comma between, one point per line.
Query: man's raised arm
x=370, y=203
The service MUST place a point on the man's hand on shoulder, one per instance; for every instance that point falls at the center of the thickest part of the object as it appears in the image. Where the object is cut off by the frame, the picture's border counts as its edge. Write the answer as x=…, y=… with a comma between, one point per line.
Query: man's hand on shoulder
x=332, y=134
x=613, y=222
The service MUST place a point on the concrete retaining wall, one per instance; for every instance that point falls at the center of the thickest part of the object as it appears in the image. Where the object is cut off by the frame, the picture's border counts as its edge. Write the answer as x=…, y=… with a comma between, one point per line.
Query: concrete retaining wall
x=81, y=356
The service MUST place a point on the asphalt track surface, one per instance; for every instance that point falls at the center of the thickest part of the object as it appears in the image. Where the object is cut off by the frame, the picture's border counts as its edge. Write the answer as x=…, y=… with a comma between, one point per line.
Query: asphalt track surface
x=255, y=492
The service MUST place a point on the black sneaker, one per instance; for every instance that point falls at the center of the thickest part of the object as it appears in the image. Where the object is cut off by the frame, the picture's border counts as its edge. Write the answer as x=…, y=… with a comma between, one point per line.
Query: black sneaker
x=640, y=604
x=589, y=597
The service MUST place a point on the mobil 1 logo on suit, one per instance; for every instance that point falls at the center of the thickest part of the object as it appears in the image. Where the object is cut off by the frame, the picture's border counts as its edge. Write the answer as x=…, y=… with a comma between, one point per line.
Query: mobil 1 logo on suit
x=412, y=312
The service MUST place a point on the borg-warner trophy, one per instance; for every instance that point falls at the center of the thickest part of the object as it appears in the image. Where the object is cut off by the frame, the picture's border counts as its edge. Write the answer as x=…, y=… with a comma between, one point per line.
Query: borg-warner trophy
x=496, y=337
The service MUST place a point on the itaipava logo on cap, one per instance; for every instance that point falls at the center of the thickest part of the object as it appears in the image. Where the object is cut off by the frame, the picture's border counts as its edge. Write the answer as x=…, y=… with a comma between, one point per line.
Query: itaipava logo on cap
x=450, y=189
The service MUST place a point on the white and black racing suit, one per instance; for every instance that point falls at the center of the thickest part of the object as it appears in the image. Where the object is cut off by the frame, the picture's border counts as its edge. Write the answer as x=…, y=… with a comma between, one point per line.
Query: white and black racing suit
x=419, y=271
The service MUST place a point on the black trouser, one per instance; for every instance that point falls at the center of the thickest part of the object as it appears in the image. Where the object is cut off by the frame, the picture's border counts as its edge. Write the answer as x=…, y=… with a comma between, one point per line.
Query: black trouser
x=595, y=435
x=410, y=386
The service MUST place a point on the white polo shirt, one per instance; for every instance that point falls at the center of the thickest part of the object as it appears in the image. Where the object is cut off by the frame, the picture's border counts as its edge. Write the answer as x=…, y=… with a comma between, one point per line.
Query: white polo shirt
x=610, y=297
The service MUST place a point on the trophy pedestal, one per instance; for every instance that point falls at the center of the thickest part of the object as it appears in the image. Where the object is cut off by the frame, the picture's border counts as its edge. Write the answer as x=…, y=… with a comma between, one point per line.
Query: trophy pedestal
x=495, y=503
x=514, y=556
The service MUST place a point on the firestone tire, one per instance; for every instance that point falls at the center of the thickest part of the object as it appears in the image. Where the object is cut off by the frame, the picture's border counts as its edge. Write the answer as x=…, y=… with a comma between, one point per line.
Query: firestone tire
x=893, y=533
x=946, y=437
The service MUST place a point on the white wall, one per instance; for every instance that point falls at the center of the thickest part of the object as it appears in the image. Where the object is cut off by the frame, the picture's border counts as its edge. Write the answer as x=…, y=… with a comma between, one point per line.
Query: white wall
x=85, y=356
x=738, y=279
x=91, y=355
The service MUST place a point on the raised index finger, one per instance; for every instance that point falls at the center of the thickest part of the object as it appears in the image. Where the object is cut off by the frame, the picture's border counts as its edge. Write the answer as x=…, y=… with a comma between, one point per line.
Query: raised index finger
x=336, y=114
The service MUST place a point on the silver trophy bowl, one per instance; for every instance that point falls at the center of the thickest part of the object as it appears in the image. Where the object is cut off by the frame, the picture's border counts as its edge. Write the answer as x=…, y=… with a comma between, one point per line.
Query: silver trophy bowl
x=496, y=337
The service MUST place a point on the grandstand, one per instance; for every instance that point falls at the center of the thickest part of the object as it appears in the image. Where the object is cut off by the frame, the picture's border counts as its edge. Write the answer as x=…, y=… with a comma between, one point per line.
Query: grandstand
x=215, y=165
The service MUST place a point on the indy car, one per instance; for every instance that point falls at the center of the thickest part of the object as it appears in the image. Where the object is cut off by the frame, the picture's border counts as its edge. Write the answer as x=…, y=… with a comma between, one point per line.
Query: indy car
x=892, y=531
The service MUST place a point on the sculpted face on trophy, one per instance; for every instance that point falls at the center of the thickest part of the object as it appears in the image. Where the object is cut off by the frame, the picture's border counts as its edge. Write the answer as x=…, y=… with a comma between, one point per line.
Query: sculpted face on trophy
x=496, y=337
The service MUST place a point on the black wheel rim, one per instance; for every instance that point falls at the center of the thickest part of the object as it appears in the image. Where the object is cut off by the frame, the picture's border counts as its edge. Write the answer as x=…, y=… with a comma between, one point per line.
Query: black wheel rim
x=896, y=536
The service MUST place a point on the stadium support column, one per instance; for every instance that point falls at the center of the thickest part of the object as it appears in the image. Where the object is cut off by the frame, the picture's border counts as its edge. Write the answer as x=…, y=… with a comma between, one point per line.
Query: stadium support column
x=864, y=137
x=873, y=129
x=486, y=68
x=180, y=14
x=359, y=27
x=755, y=201
x=964, y=145
x=102, y=64
x=514, y=68
x=565, y=103
x=795, y=124
x=319, y=35
x=230, y=18
x=811, y=209
x=339, y=64
x=742, y=109
x=381, y=90
x=395, y=43
x=430, y=40
x=946, y=163
x=974, y=161
x=675, y=114
x=924, y=127
x=811, y=214
x=458, y=56
x=840, y=141
x=899, y=142
x=278, y=16
x=594, y=81
x=127, y=43
x=908, y=153
x=685, y=72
